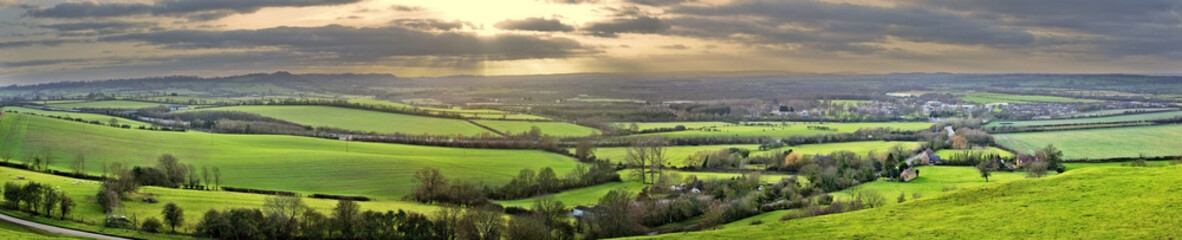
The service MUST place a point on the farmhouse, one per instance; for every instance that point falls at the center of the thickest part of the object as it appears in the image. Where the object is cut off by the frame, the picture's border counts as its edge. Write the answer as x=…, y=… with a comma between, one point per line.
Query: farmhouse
x=908, y=174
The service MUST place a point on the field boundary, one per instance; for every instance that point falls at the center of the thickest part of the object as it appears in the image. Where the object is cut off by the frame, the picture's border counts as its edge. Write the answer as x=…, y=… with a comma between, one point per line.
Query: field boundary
x=485, y=127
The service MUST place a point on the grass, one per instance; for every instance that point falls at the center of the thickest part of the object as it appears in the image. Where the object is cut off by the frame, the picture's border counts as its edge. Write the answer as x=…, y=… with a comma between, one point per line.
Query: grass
x=1077, y=165
x=1099, y=203
x=119, y=104
x=988, y=97
x=1110, y=112
x=585, y=196
x=13, y=231
x=1160, y=140
x=87, y=213
x=300, y=164
x=787, y=129
x=84, y=116
x=1110, y=119
x=467, y=113
x=678, y=155
x=362, y=120
x=931, y=182
x=560, y=129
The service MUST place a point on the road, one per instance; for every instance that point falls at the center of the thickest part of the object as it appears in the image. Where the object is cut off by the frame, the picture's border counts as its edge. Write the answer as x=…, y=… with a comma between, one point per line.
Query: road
x=57, y=230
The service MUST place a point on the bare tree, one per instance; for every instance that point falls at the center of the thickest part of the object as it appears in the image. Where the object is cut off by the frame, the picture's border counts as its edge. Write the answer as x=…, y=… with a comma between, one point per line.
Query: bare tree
x=79, y=163
x=205, y=174
x=647, y=156
x=217, y=177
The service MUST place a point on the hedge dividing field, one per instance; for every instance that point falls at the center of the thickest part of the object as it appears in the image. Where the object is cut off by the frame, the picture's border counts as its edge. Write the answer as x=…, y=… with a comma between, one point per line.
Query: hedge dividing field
x=361, y=120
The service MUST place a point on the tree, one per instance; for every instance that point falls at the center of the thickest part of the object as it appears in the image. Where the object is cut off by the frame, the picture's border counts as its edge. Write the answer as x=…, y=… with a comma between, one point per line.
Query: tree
x=114, y=122
x=1052, y=156
x=108, y=200
x=194, y=179
x=548, y=180
x=870, y=198
x=612, y=217
x=345, y=217
x=31, y=195
x=446, y=221
x=902, y=197
x=173, y=168
x=12, y=195
x=46, y=158
x=51, y=198
x=634, y=127
x=151, y=225
x=66, y=206
x=79, y=164
x=480, y=223
x=959, y=142
x=528, y=227
x=205, y=174
x=1036, y=169
x=584, y=150
x=173, y=215
x=647, y=157
x=217, y=177
x=985, y=168
x=431, y=184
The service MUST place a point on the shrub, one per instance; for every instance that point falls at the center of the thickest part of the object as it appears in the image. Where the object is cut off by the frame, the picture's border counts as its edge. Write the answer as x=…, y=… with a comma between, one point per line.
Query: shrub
x=757, y=222
x=151, y=225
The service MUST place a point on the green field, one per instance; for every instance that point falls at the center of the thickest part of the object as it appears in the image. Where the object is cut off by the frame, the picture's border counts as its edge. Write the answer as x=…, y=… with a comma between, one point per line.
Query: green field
x=560, y=129
x=988, y=97
x=361, y=120
x=1160, y=140
x=192, y=201
x=301, y=164
x=585, y=196
x=1097, y=203
x=1109, y=112
x=656, y=125
x=677, y=155
x=932, y=181
x=13, y=231
x=787, y=129
x=467, y=113
x=120, y=104
x=84, y=116
x=1110, y=119
x=948, y=153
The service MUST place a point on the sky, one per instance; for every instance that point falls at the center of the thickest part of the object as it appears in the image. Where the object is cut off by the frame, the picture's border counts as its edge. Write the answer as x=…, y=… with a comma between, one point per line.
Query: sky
x=46, y=41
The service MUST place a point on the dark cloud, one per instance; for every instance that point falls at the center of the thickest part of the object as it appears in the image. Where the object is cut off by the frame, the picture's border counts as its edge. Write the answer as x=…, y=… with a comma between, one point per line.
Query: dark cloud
x=535, y=24
x=614, y=27
x=47, y=42
x=676, y=47
x=838, y=27
x=659, y=2
x=430, y=24
x=100, y=27
x=33, y=63
x=405, y=8
x=367, y=44
x=194, y=9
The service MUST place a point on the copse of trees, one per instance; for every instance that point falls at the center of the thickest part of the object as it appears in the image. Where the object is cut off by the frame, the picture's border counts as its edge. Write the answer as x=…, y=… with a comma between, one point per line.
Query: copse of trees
x=286, y=217
x=37, y=199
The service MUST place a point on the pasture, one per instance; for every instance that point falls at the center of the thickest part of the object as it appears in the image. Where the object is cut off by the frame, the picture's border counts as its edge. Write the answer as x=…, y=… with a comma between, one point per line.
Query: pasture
x=559, y=129
x=1094, y=120
x=787, y=129
x=84, y=116
x=117, y=104
x=988, y=97
x=678, y=155
x=949, y=153
x=585, y=196
x=299, y=164
x=467, y=113
x=1160, y=140
x=1097, y=203
x=361, y=120
x=194, y=202
x=932, y=181
x=656, y=125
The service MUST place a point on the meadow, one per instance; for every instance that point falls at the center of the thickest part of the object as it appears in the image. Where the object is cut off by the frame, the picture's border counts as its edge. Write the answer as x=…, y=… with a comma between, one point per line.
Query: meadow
x=84, y=116
x=1110, y=112
x=657, y=125
x=1109, y=119
x=300, y=164
x=361, y=120
x=787, y=129
x=1097, y=202
x=677, y=155
x=13, y=231
x=1160, y=140
x=560, y=129
x=588, y=196
x=193, y=202
x=932, y=181
x=118, y=104
x=467, y=113
x=988, y=97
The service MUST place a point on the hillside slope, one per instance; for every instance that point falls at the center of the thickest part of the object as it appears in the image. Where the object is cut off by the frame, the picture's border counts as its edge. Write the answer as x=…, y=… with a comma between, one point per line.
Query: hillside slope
x=1096, y=203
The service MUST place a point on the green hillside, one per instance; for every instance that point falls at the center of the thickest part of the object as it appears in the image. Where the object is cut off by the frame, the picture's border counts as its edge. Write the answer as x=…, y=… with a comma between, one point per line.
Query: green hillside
x=362, y=120
x=291, y=163
x=1096, y=203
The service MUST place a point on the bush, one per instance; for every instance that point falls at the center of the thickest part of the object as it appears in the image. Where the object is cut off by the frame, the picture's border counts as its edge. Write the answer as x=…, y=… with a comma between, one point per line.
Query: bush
x=757, y=222
x=151, y=225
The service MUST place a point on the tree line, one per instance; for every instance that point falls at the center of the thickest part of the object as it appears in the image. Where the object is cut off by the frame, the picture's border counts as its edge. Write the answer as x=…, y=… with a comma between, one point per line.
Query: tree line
x=433, y=186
